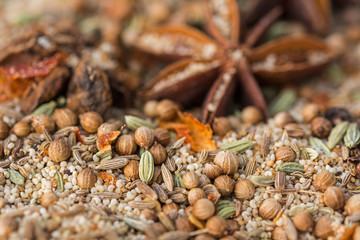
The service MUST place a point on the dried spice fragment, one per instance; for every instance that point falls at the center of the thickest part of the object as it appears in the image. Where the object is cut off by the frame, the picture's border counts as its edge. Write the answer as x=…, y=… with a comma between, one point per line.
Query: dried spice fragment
x=195, y=133
x=106, y=139
x=107, y=178
x=89, y=90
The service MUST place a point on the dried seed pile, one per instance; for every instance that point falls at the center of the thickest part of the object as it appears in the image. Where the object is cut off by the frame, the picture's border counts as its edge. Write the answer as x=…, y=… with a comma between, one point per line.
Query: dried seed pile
x=80, y=177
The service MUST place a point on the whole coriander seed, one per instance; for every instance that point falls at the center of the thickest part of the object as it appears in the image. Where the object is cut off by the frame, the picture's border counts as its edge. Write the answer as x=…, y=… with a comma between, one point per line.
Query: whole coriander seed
x=279, y=233
x=150, y=108
x=190, y=180
x=59, y=150
x=144, y=137
x=216, y=226
x=310, y=111
x=251, y=115
x=203, y=209
x=162, y=136
x=269, y=209
x=131, y=170
x=64, y=117
x=323, y=227
x=323, y=180
x=110, y=126
x=204, y=236
x=285, y=154
x=166, y=110
x=48, y=199
x=195, y=194
x=224, y=184
x=334, y=197
x=21, y=129
x=43, y=120
x=303, y=221
x=321, y=127
x=352, y=205
x=221, y=126
x=86, y=179
x=184, y=224
x=159, y=153
x=90, y=121
x=283, y=118
x=244, y=189
x=212, y=170
x=4, y=129
x=126, y=145
x=227, y=161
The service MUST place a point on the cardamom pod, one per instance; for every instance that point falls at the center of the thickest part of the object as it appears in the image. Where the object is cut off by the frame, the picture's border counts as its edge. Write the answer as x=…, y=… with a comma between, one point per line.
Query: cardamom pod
x=290, y=167
x=60, y=182
x=352, y=136
x=46, y=108
x=134, y=123
x=239, y=146
x=16, y=177
x=312, y=153
x=316, y=142
x=262, y=180
x=227, y=212
x=146, y=167
x=222, y=204
x=336, y=134
x=178, y=181
x=284, y=100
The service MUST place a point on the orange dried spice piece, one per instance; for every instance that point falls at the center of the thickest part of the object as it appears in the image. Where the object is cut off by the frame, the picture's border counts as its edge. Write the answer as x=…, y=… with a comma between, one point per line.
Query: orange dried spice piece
x=197, y=134
x=15, y=79
x=107, y=178
x=106, y=139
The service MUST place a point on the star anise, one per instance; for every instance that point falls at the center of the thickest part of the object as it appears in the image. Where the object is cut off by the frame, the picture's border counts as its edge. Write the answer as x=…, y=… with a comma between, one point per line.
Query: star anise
x=316, y=14
x=282, y=60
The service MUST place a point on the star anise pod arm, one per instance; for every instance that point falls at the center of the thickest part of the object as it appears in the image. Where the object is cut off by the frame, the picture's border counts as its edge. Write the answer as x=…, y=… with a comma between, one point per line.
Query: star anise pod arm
x=316, y=14
x=223, y=23
x=262, y=26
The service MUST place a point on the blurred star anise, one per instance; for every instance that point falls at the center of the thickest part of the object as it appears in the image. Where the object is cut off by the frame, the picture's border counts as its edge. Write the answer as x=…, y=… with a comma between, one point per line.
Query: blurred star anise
x=204, y=59
x=315, y=14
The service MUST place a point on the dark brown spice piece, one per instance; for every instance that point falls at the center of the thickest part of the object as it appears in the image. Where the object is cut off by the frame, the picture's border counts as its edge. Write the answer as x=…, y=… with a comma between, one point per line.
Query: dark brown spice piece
x=89, y=90
x=337, y=114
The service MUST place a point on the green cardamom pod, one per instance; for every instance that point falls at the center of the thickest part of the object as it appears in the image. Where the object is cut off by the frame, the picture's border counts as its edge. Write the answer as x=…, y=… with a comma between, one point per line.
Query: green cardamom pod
x=316, y=142
x=262, y=180
x=222, y=204
x=239, y=146
x=134, y=123
x=290, y=167
x=60, y=182
x=352, y=136
x=227, y=212
x=284, y=100
x=46, y=108
x=16, y=177
x=146, y=167
x=179, y=182
x=336, y=134
x=312, y=153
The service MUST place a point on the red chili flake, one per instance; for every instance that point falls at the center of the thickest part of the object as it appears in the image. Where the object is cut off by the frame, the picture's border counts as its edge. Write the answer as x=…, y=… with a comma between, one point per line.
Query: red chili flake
x=106, y=139
x=78, y=137
x=107, y=178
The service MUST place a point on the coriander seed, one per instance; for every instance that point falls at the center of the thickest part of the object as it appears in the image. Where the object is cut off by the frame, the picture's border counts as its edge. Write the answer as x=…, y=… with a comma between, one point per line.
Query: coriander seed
x=162, y=136
x=195, y=194
x=269, y=209
x=86, y=179
x=303, y=221
x=43, y=120
x=320, y=127
x=334, y=197
x=323, y=180
x=251, y=115
x=285, y=154
x=203, y=209
x=150, y=108
x=166, y=110
x=244, y=189
x=190, y=180
x=310, y=111
x=221, y=126
x=144, y=137
x=283, y=118
x=21, y=129
x=126, y=145
x=224, y=184
x=131, y=170
x=159, y=153
x=48, y=199
x=216, y=226
x=64, y=117
x=90, y=121
x=227, y=161
x=59, y=150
